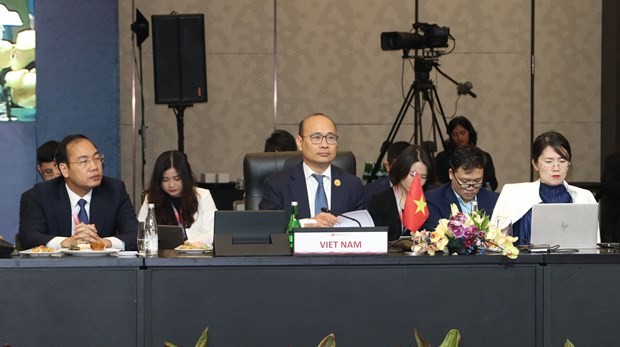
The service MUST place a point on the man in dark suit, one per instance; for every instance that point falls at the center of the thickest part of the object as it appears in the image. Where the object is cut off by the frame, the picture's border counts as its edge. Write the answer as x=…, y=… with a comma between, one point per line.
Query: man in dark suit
x=466, y=178
x=81, y=206
x=343, y=192
x=47, y=168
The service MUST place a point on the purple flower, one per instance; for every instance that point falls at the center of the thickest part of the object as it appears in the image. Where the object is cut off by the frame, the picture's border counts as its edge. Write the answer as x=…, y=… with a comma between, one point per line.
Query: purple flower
x=457, y=225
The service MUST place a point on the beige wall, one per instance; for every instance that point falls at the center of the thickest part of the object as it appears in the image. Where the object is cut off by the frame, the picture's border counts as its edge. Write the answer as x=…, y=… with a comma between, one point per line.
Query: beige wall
x=328, y=59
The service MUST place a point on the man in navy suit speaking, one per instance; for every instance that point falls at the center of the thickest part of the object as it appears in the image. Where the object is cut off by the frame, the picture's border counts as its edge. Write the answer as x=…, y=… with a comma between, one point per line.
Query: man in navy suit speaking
x=315, y=183
x=81, y=205
x=466, y=178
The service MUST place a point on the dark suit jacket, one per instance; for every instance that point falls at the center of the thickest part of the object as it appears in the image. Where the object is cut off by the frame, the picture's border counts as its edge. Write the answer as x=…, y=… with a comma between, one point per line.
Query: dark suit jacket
x=375, y=187
x=25, y=201
x=283, y=187
x=384, y=212
x=440, y=198
x=49, y=214
x=609, y=204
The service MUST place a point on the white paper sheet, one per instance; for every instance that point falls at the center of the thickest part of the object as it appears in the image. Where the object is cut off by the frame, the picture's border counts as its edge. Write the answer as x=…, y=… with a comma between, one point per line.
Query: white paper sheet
x=361, y=216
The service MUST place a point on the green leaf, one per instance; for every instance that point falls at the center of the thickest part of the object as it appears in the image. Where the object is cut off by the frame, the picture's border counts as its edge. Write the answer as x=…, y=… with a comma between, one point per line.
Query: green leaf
x=568, y=343
x=328, y=341
x=202, y=340
x=420, y=340
x=452, y=339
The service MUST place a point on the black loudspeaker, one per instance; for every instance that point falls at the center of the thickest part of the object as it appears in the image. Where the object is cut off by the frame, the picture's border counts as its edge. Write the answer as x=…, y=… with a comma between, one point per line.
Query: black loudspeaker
x=179, y=59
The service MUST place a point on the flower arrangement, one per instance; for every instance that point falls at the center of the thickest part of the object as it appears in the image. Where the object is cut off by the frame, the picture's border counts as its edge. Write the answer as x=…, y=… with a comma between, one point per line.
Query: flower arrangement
x=464, y=233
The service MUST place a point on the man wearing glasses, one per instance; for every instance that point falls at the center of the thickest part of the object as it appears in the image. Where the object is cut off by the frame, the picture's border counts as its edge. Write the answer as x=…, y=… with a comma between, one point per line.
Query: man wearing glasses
x=466, y=178
x=315, y=183
x=46, y=166
x=80, y=206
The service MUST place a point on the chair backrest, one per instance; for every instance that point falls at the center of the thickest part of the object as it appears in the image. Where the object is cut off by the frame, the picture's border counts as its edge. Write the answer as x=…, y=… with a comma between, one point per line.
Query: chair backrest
x=258, y=166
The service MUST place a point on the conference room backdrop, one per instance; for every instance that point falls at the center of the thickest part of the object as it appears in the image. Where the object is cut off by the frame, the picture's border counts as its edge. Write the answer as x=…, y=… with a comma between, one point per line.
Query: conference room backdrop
x=326, y=57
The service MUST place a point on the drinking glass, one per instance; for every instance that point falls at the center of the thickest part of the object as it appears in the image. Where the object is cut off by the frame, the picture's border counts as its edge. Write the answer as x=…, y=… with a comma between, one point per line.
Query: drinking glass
x=507, y=223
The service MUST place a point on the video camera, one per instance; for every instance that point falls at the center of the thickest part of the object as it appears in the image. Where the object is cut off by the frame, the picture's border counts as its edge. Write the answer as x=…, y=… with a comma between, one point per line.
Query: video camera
x=433, y=36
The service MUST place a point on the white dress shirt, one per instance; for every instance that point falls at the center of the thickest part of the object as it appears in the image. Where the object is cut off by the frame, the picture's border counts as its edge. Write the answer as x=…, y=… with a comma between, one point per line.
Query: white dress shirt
x=75, y=209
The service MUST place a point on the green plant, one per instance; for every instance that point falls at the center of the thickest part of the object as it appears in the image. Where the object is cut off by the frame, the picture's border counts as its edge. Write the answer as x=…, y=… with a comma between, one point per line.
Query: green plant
x=202, y=340
x=452, y=339
x=328, y=341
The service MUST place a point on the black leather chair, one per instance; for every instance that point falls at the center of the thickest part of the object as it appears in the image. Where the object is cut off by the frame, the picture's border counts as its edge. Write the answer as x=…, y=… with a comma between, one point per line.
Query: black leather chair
x=257, y=166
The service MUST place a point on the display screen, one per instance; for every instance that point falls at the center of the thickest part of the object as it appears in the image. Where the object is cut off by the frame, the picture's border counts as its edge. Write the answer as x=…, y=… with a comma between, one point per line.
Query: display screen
x=18, y=74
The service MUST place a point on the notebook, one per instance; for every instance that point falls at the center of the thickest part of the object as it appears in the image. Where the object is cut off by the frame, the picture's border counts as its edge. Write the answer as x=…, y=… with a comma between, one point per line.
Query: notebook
x=566, y=225
x=250, y=226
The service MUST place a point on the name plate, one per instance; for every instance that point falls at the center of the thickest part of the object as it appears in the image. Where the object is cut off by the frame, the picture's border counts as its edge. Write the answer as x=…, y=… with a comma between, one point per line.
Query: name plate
x=335, y=241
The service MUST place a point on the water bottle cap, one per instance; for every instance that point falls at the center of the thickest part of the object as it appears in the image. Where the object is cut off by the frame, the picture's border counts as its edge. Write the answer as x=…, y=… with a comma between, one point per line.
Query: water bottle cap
x=151, y=205
x=294, y=203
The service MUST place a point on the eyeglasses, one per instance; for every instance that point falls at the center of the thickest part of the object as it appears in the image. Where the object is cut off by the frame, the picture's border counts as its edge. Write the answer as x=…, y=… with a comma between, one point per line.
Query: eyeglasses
x=562, y=164
x=475, y=185
x=83, y=162
x=316, y=139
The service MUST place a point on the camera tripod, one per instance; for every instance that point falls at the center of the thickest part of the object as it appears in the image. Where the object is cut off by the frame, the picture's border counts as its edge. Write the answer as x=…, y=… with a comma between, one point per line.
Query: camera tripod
x=422, y=88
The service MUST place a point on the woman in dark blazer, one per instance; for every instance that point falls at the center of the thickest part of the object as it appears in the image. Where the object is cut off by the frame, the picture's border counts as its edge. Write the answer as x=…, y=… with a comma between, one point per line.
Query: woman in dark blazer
x=386, y=207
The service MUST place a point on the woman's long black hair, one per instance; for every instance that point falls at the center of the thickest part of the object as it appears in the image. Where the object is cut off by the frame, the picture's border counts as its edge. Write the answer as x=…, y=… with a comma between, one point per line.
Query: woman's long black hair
x=163, y=201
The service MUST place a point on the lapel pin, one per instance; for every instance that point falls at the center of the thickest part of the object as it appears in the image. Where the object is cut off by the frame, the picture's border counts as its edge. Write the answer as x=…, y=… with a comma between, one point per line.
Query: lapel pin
x=337, y=182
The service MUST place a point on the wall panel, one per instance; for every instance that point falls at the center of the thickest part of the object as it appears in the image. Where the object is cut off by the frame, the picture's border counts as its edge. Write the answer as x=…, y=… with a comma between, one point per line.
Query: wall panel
x=329, y=60
x=568, y=79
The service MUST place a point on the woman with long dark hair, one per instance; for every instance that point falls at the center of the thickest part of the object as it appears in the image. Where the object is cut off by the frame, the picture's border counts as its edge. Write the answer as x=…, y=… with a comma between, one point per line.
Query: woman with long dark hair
x=461, y=133
x=386, y=208
x=177, y=200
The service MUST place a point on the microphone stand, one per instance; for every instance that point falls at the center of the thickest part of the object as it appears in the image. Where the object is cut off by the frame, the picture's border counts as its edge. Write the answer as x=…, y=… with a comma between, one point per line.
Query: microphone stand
x=140, y=28
x=179, y=112
x=353, y=219
x=326, y=210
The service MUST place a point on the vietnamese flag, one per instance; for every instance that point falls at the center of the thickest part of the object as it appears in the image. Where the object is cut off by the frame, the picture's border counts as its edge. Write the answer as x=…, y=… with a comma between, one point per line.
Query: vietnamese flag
x=416, y=210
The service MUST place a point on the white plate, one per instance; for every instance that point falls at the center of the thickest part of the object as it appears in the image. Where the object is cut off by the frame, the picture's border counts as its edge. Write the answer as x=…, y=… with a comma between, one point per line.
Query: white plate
x=194, y=251
x=39, y=254
x=90, y=252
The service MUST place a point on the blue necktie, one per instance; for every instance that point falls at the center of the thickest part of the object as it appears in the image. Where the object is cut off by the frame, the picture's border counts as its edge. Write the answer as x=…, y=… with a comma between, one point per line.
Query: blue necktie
x=82, y=216
x=320, y=200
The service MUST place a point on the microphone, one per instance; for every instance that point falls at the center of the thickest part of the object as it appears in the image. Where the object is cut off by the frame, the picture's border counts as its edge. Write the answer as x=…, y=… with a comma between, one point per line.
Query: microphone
x=465, y=88
x=326, y=210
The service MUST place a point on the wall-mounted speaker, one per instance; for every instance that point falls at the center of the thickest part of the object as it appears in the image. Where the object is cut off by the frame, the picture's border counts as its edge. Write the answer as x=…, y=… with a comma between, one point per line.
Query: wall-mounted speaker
x=179, y=59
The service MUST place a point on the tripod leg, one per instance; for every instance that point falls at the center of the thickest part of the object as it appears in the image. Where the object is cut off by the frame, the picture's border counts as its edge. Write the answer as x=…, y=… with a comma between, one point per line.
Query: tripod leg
x=436, y=127
x=395, y=127
x=418, y=134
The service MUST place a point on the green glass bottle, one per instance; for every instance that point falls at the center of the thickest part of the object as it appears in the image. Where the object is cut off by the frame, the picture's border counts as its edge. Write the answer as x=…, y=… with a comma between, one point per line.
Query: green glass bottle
x=293, y=223
x=367, y=170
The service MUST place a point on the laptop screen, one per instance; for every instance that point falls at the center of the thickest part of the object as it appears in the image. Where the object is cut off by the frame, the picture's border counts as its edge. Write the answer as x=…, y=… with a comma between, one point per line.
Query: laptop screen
x=566, y=225
x=250, y=226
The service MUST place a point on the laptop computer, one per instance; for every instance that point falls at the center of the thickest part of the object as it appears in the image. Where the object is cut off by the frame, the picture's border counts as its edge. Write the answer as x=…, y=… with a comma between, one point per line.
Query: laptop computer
x=250, y=226
x=566, y=225
x=169, y=236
